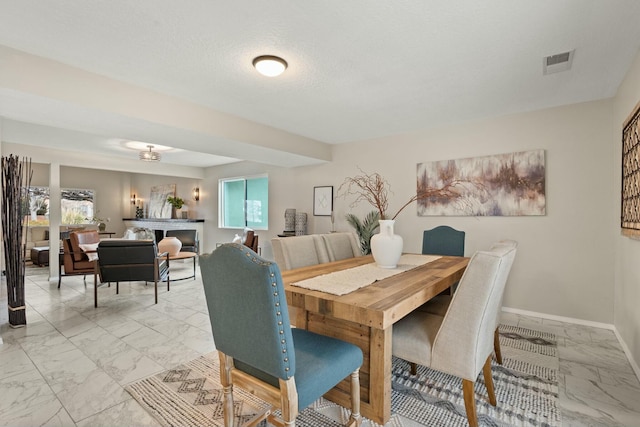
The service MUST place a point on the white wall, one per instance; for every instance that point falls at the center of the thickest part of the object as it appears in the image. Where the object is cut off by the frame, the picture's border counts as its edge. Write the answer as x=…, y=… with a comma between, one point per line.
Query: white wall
x=565, y=259
x=141, y=186
x=565, y=262
x=281, y=194
x=627, y=262
x=110, y=195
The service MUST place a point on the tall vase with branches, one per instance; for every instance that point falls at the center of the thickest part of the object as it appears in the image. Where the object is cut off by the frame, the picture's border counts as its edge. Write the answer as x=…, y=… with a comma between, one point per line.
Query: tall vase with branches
x=374, y=189
x=16, y=180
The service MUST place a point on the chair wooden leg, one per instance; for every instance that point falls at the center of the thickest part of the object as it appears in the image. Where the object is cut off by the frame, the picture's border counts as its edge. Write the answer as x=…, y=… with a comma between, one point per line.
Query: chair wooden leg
x=488, y=381
x=496, y=345
x=288, y=401
x=227, y=387
x=470, y=402
x=95, y=290
x=355, y=420
x=155, y=285
x=413, y=368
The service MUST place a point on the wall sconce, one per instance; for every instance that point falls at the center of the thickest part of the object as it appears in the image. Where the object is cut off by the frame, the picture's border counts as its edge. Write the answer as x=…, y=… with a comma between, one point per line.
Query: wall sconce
x=196, y=194
x=133, y=199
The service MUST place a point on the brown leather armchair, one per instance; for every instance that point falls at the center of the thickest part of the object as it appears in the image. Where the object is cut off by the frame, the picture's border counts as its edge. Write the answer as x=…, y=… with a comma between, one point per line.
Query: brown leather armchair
x=75, y=260
x=252, y=241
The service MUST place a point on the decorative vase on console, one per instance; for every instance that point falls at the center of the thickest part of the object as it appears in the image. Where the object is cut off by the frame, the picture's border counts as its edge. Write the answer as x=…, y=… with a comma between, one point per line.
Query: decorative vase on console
x=171, y=245
x=386, y=247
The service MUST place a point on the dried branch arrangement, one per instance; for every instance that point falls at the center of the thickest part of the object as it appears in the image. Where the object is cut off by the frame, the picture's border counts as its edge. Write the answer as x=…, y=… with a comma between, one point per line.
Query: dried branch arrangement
x=374, y=189
x=14, y=174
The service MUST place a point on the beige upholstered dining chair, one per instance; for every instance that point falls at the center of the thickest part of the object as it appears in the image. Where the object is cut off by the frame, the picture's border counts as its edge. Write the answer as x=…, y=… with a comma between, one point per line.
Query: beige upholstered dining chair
x=461, y=342
x=342, y=245
x=440, y=304
x=299, y=251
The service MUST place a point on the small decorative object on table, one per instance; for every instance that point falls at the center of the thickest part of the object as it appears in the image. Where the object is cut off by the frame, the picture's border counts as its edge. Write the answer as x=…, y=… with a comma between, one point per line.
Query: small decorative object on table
x=289, y=220
x=171, y=245
x=301, y=224
x=101, y=223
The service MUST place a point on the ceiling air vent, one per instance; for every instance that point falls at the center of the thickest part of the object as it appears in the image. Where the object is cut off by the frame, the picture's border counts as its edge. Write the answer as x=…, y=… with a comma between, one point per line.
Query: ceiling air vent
x=558, y=62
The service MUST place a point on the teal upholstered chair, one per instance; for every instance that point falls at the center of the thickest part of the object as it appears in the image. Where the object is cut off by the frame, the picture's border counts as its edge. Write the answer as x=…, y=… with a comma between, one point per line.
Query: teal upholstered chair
x=443, y=240
x=259, y=351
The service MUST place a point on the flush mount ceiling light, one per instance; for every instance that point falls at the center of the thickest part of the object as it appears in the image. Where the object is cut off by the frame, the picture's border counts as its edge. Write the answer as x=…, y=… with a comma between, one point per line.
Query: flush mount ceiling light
x=269, y=65
x=150, y=156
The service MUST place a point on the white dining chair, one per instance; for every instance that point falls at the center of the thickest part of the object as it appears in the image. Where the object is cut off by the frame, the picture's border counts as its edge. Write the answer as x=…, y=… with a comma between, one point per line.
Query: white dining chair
x=440, y=304
x=460, y=343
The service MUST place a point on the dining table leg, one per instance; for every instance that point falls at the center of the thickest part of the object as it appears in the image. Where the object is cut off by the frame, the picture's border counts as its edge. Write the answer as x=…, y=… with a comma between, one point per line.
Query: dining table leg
x=375, y=373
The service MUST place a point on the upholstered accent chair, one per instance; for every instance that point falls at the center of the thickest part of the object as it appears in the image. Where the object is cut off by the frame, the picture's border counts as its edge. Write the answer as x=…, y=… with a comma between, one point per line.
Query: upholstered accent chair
x=189, y=239
x=76, y=259
x=440, y=304
x=461, y=342
x=299, y=251
x=259, y=351
x=342, y=245
x=129, y=261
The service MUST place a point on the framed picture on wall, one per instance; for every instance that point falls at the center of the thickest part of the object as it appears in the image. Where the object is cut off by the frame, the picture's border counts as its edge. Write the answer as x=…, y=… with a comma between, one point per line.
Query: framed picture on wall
x=322, y=200
x=630, y=209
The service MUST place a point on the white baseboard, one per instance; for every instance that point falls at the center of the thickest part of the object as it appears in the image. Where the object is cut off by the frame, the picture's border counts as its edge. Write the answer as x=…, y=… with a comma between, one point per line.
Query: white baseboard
x=559, y=318
x=600, y=325
x=633, y=363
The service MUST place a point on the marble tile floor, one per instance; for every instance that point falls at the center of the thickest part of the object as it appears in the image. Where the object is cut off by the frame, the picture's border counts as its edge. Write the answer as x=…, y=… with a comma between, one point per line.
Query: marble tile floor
x=69, y=366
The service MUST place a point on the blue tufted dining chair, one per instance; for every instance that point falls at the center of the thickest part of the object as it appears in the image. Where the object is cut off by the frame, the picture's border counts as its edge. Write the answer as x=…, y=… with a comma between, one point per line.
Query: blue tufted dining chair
x=289, y=368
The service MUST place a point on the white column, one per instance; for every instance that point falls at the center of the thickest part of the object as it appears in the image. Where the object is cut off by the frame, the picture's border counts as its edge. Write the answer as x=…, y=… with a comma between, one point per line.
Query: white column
x=55, y=218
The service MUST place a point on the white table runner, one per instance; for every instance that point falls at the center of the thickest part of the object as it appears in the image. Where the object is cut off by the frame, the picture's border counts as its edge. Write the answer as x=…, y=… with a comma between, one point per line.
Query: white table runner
x=345, y=281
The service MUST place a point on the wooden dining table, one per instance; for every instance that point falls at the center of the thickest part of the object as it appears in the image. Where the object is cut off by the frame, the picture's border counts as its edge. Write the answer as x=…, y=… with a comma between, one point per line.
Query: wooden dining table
x=365, y=317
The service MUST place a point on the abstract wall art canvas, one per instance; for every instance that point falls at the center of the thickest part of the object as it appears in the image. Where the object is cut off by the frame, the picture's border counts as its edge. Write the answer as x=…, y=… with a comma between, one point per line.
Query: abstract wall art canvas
x=510, y=184
x=158, y=205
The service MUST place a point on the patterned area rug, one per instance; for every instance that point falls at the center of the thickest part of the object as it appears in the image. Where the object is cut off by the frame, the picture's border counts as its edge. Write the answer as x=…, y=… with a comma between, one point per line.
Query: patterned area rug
x=526, y=389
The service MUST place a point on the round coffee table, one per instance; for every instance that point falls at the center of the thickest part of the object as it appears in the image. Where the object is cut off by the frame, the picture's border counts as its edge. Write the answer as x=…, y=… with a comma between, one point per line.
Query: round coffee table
x=185, y=255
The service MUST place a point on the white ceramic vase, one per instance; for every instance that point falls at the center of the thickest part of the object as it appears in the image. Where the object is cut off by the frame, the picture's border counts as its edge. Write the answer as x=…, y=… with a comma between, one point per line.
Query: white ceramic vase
x=386, y=247
x=171, y=245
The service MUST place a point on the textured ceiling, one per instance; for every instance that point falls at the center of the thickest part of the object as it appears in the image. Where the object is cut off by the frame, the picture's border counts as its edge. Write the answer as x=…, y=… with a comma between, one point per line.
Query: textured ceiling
x=358, y=69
